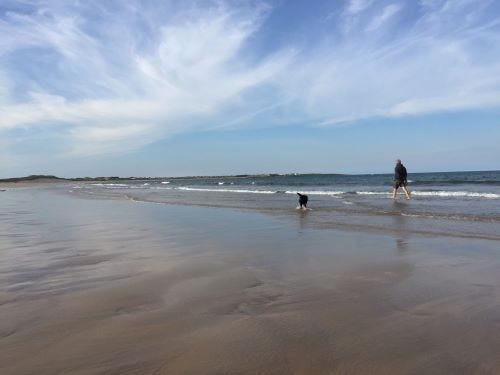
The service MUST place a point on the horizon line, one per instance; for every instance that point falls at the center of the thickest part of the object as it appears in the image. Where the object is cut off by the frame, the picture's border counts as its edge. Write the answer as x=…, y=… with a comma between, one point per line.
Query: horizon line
x=238, y=175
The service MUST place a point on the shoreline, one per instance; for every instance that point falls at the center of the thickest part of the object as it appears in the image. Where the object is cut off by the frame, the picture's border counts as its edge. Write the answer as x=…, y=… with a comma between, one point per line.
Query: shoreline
x=340, y=217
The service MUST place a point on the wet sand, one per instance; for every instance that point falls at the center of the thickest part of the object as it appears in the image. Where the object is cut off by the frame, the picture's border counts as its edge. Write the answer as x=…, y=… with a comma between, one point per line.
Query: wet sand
x=121, y=287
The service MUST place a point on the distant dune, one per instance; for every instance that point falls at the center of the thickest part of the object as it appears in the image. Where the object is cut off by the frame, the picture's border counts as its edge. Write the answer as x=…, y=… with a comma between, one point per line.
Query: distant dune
x=36, y=178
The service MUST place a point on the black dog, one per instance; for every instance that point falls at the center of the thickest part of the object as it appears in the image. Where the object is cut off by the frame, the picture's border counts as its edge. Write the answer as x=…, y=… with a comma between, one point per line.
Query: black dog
x=303, y=201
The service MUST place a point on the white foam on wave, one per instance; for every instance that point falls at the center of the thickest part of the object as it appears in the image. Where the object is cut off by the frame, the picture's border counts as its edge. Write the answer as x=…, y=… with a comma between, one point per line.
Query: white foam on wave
x=226, y=190
x=444, y=194
x=331, y=193
x=467, y=194
x=165, y=182
x=372, y=193
x=317, y=192
x=314, y=192
x=111, y=185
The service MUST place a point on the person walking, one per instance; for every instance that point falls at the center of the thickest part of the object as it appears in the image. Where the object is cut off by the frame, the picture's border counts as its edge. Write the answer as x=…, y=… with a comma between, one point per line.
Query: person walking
x=400, y=176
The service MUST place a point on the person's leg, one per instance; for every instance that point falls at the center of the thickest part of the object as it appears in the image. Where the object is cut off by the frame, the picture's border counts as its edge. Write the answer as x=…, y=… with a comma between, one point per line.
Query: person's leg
x=406, y=192
x=394, y=191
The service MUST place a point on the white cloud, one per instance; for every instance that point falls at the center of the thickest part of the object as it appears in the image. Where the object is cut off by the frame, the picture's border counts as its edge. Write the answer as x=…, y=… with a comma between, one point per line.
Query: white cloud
x=427, y=105
x=189, y=74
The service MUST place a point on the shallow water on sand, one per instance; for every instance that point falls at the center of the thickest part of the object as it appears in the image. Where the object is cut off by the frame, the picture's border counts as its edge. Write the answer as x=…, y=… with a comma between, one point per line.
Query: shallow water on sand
x=476, y=217
x=97, y=286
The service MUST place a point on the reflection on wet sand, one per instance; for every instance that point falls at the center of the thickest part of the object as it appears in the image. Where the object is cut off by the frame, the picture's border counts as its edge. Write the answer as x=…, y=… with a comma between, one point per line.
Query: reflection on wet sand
x=401, y=245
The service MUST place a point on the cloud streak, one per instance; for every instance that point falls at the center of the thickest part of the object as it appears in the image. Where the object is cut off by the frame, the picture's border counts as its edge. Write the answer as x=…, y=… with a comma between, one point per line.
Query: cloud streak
x=115, y=79
x=387, y=13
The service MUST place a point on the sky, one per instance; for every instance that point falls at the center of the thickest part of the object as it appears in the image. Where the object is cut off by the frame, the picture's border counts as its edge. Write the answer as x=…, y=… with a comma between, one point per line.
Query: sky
x=172, y=88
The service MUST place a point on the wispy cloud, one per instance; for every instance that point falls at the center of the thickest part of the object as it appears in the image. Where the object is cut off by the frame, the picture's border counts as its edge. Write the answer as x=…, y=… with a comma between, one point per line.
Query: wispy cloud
x=357, y=6
x=112, y=79
x=422, y=65
x=387, y=13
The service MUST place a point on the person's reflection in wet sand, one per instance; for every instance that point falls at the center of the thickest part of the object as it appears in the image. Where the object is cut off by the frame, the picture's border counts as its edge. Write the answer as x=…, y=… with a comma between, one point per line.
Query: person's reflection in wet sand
x=400, y=224
x=401, y=245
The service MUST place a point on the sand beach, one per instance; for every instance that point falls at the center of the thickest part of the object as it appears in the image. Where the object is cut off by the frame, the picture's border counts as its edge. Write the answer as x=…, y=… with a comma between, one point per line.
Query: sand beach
x=101, y=285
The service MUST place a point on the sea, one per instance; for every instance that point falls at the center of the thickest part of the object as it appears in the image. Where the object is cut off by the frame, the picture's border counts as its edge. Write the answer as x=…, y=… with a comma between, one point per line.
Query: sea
x=464, y=204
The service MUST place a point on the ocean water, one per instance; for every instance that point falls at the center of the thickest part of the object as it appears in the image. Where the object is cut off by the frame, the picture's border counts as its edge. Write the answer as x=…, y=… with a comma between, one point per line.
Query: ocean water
x=450, y=203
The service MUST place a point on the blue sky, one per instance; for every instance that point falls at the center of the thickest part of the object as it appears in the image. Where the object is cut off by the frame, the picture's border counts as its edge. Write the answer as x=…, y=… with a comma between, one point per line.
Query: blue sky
x=165, y=88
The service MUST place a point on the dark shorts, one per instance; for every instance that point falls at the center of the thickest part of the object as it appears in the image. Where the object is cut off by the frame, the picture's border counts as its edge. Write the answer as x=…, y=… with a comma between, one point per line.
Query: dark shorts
x=399, y=183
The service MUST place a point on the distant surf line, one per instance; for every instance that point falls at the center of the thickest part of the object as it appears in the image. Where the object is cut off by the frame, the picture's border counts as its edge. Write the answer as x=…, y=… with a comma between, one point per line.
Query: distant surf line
x=438, y=193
